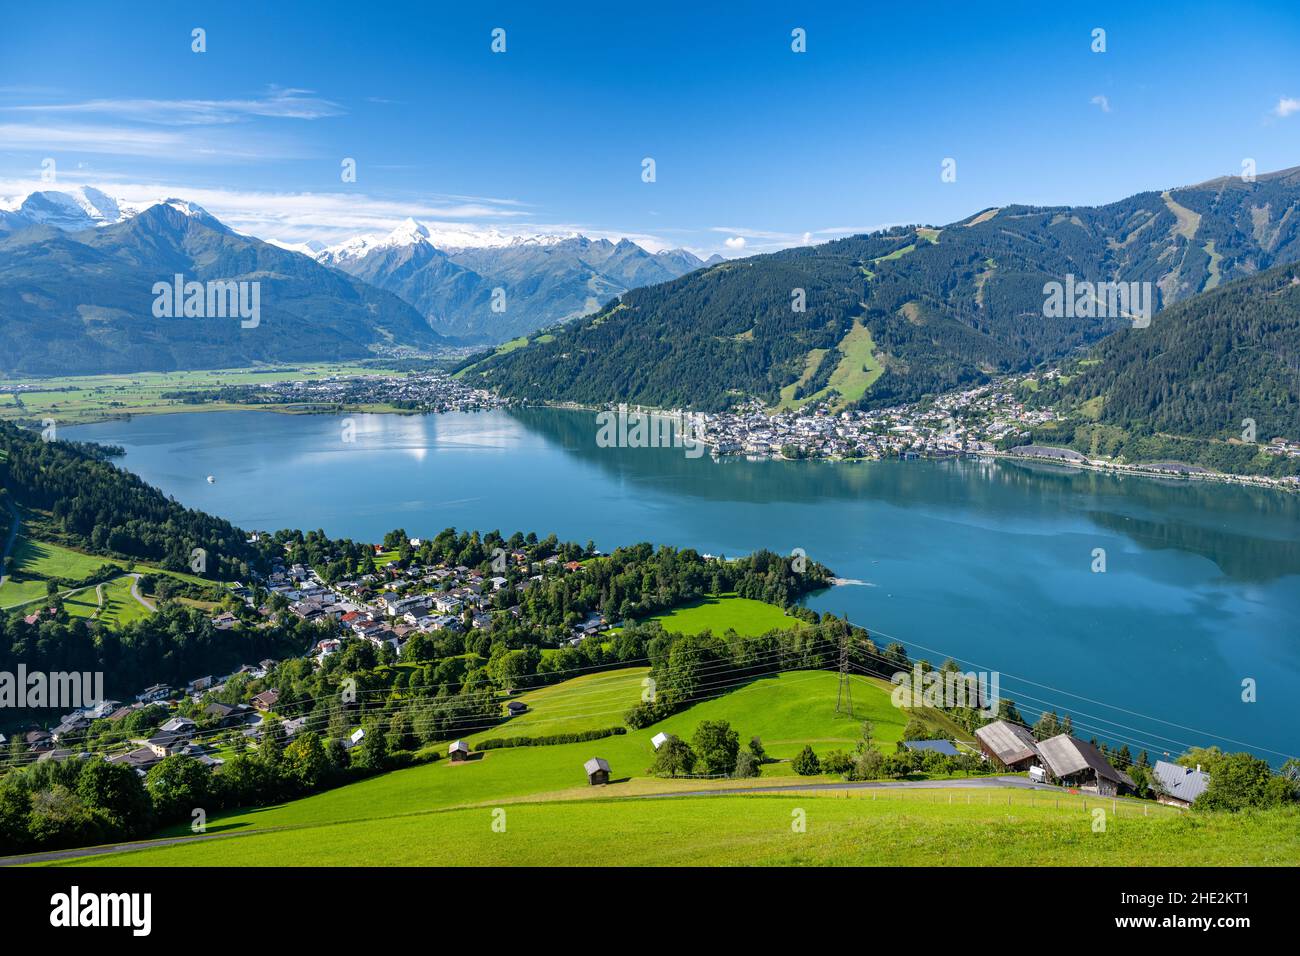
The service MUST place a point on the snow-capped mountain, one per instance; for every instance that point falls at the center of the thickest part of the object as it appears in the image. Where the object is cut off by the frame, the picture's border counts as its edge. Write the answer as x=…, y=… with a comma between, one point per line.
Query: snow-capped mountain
x=92, y=291
x=81, y=208
x=447, y=271
x=441, y=236
x=449, y=274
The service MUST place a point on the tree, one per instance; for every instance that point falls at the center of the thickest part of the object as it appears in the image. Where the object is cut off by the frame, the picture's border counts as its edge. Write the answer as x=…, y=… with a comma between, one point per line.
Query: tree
x=1242, y=780
x=806, y=763
x=917, y=729
x=305, y=761
x=691, y=663
x=756, y=748
x=869, y=764
x=836, y=762
x=673, y=757
x=178, y=785
x=717, y=746
x=118, y=791
x=372, y=752
x=898, y=765
x=1047, y=726
x=747, y=765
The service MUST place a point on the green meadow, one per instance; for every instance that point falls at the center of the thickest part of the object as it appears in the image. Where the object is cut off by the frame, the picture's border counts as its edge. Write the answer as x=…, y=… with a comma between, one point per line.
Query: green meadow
x=443, y=813
x=35, y=562
x=89, y=398
x=954, y=827
x=747, y=617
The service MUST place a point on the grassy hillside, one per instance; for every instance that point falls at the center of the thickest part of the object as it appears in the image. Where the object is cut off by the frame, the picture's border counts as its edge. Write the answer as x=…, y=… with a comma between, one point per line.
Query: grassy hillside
x=855, y=828
x=785, y=710
x=442, y=813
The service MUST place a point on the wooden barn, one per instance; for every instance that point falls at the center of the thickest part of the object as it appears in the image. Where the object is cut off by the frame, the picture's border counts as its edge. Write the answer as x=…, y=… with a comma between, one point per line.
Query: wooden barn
x=516, y=707
x=458, y=751
x=1077, y=763
x=597, y=771
x=1009, y=744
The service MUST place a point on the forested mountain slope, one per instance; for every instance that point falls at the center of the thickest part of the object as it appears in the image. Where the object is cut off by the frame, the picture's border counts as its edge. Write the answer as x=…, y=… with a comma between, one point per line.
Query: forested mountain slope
x=944, y=307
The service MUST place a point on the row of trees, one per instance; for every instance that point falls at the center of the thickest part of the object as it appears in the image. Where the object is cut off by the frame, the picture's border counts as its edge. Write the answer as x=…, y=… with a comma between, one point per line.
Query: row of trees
x=53, y=804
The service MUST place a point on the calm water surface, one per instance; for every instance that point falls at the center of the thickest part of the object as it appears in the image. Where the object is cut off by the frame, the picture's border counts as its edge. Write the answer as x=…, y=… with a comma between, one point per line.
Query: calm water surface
x=989, y=563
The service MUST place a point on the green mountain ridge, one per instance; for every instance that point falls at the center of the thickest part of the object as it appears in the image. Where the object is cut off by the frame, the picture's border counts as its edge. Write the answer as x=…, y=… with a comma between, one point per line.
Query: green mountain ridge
x=82, y=302
x=946, y=308
x=1214, y=368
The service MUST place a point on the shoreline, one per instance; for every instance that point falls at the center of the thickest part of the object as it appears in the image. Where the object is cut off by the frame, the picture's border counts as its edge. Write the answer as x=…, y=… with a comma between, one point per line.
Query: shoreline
x=1136, y=469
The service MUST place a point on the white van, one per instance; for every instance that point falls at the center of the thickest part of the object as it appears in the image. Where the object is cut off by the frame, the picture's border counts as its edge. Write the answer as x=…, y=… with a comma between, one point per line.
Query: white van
x=1037, y=775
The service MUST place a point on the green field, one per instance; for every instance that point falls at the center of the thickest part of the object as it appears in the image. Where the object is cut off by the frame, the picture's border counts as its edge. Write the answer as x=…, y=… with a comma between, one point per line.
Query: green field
x=35, y=561
x=954, y=827
x=502, y=349
x=89, y=398
x=442, y=813
x=856, y=372
x=746, y=617
x=120, y=606
x=785, y=710
x=591, y=702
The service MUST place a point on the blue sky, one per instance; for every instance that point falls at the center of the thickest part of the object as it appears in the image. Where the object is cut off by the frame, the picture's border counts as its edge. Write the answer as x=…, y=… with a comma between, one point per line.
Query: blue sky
x=751, y=141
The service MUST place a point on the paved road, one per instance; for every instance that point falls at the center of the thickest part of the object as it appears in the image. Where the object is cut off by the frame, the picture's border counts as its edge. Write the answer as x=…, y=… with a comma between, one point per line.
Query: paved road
x=135, y=593
x=56, y=855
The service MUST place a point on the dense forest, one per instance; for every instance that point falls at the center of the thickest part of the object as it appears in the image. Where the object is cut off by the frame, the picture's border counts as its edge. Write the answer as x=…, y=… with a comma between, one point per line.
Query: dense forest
x=1222, y=366
x=74, y=496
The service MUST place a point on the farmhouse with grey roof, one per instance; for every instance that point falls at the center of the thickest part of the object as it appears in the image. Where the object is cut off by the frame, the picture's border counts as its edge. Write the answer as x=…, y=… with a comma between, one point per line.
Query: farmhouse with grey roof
x=1010, y=744
x=1179, y=786
x=1077, y=763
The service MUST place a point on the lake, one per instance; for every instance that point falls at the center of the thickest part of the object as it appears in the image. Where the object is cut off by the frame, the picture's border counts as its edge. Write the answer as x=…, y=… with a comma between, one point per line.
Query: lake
x=986, y=562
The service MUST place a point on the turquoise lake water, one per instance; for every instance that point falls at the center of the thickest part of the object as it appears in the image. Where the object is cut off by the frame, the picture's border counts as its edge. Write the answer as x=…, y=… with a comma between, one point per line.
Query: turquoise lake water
x=986, y=562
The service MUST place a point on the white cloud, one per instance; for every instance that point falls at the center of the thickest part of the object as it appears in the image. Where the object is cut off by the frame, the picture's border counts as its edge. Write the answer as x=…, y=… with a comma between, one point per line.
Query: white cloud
x=277, y=104
x=1286, y=106
x=334, y=217
x=736, y=242
x=1102, y=101
x=189, y=146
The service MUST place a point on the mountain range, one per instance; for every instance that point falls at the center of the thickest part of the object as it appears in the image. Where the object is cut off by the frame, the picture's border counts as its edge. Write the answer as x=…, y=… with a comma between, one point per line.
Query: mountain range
x=81, y=299
x=878, y=319
x=542, y=280
x=477, y=287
